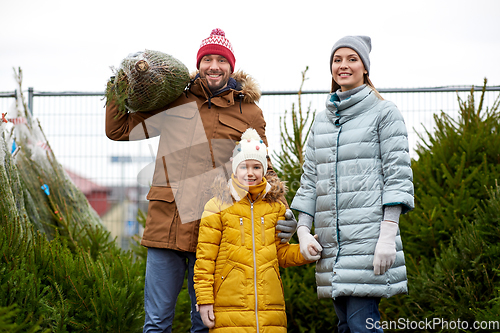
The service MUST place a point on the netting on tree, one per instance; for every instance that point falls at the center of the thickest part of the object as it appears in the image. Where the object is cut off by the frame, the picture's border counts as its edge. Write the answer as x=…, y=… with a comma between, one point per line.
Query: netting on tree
x=146, y=81
x=34, y=186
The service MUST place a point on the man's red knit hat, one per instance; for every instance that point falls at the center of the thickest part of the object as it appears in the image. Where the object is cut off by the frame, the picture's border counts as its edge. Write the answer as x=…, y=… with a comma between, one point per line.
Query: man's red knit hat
x=216, y=44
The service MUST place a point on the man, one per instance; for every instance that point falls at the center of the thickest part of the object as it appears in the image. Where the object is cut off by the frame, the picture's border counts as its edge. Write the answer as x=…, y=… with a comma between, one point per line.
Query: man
x=197, y=134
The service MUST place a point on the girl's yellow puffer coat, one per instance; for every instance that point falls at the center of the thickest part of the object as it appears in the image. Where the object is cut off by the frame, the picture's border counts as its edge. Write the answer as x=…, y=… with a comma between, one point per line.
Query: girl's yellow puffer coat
x=238, y=259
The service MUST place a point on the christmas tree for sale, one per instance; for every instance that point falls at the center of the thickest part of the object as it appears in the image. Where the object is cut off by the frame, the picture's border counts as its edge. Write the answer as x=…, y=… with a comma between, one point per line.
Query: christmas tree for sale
x=52, y=202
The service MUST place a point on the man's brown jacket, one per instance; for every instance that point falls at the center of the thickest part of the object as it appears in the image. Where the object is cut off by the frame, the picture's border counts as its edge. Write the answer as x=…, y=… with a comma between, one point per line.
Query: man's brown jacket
x=197, y=133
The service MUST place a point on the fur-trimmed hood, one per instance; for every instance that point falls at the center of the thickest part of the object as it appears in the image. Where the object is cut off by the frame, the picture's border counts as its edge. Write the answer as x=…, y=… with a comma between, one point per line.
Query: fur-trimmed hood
x=221, y=189
x=247, y=85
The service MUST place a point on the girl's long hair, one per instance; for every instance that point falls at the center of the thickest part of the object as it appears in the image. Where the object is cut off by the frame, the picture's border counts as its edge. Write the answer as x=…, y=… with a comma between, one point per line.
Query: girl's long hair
x=366, y=80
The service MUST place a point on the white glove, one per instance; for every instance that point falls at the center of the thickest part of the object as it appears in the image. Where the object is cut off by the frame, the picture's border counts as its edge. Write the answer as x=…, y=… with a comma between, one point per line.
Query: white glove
x=385, y=251
x=207, y=314
x=287, y=226
x=309, y=246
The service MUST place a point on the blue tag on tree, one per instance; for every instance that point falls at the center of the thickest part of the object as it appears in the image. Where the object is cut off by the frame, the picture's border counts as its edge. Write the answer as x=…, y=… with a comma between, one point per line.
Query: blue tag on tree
x=45, y=188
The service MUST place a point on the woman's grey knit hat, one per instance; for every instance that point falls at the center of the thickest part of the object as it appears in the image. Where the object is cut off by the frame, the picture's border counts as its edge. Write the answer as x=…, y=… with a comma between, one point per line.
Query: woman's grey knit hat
x=361, y=44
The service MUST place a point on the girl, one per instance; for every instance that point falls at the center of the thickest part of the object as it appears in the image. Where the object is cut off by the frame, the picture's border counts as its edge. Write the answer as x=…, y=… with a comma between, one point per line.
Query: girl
x=357, y=180
x=237, y=281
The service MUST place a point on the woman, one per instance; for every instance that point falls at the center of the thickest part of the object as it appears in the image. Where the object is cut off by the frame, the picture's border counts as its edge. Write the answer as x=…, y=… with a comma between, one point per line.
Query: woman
x=357, y=180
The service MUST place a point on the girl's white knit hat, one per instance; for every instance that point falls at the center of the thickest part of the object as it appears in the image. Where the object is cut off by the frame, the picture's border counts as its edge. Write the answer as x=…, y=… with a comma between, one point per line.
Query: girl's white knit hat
x=251, y=147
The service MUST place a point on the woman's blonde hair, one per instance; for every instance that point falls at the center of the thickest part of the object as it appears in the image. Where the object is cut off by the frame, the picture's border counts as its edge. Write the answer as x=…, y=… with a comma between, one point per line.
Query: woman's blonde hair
x=366, y=80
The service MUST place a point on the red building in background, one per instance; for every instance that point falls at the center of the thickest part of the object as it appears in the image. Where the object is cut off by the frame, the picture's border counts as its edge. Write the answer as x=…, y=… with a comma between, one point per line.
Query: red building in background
x=96, y=194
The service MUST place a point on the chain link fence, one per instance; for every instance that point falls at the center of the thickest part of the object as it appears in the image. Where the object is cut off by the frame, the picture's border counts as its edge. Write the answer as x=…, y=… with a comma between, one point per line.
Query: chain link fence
x=74, y=124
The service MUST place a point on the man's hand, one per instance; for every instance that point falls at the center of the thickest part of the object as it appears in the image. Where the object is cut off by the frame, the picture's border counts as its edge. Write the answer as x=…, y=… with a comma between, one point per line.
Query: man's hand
x=207, y=314
x=287, y=226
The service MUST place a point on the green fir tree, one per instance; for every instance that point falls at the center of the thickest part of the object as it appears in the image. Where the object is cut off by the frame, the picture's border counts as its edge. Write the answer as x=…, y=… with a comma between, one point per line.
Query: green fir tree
x=293, y=143
x=70, y=276
x=305, y=313
x=451, y=238
x=455, y=165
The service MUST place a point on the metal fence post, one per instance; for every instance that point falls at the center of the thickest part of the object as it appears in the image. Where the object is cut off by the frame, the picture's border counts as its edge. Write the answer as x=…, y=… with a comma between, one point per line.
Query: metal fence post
x=30, y=99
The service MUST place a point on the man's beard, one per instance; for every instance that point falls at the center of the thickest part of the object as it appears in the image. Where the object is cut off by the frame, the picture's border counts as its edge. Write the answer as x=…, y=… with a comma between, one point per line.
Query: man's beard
x=218, y=86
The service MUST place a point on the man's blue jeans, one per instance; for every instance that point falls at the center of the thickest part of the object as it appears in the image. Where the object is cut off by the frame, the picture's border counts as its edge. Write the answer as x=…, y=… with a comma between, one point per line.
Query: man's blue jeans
x=165, y=271
x=358, y=314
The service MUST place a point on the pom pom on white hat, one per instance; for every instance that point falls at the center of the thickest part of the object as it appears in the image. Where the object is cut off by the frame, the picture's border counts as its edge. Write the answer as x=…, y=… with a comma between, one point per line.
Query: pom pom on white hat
x=251, y=147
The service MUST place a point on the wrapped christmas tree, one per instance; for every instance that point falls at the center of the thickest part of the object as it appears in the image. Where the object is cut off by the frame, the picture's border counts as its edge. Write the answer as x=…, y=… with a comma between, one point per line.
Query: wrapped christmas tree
x=37, y=188
x=59, y=268
x=147, y=81
x=12, y=206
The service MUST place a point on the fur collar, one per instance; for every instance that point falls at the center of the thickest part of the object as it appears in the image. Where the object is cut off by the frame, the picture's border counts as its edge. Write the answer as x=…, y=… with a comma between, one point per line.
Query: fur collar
x=248, y=86
x=223, y=191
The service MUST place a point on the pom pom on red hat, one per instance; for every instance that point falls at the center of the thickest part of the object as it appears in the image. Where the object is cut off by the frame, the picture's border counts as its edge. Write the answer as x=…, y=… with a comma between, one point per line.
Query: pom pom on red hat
x=218, y=44
x=219, y=32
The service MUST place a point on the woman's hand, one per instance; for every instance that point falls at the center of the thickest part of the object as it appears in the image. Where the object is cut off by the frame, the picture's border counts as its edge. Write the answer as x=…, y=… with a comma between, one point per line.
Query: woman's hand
x=309, y=246
x=385, y=251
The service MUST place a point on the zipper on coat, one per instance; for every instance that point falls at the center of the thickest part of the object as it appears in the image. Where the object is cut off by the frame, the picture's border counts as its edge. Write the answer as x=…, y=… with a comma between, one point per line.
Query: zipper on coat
x=242, y=228
x=254, y=267
x=337, y=196
x=240, y=97
x=263, y=230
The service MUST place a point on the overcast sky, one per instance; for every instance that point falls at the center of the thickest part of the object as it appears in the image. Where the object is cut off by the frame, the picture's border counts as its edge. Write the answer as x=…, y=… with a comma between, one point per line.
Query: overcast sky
x=70, y=46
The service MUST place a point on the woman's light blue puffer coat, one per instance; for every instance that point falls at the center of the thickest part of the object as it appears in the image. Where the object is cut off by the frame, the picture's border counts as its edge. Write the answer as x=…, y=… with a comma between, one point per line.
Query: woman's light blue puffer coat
x=357, y=161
